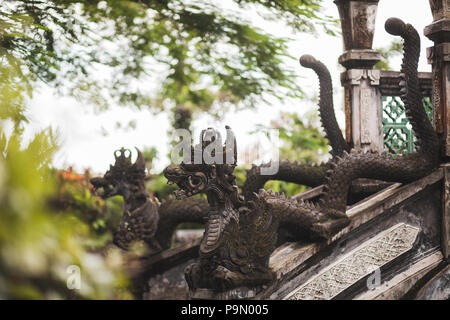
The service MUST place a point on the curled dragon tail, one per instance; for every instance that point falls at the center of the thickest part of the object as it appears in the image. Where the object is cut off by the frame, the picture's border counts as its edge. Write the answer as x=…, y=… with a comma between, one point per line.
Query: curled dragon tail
x=358, y=164
x=173, y=212
x=305, y=174
x=387, y=167
x=326, y=107
x=427, y=140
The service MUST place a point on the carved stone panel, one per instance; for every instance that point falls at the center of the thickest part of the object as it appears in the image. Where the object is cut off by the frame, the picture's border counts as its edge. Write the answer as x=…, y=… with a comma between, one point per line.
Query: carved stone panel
x=364, y=103
x=358, y=22
x=357, y=264
x=446, y=213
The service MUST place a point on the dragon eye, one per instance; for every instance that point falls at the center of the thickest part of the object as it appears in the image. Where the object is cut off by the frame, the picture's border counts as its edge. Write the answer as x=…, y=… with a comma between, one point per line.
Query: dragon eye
x=194, y=181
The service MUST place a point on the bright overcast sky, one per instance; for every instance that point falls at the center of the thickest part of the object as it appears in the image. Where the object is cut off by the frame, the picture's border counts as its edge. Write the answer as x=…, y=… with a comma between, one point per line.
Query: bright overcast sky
x=88, y=139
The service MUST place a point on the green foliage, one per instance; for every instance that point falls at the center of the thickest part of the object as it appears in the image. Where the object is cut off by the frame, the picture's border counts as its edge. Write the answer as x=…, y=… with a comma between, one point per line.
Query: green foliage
x=150, y=154
x=73, y=194
x=38, y=243
x=203, y=54
x=302, y=141
x=240, y=175
x=156, y=182
x=13, y=93
x=394, y=49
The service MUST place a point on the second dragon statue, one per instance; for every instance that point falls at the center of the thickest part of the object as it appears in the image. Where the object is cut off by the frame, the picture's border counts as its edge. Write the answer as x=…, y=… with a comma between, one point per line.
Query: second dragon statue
x=143, y=218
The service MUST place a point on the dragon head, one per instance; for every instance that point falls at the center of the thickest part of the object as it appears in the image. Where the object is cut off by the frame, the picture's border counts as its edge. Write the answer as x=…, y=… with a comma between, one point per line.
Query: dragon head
x=124, y=178
x=208, y=169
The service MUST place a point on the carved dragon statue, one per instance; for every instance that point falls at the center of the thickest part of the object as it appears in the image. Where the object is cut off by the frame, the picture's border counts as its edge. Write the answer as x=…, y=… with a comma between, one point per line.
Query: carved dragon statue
x=240, y=235
x=313, y=175
x=143, y=219
x=386, y=167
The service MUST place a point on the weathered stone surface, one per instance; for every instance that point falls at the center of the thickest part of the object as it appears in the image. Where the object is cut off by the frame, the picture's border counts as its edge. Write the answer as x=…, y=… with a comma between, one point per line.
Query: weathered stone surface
x=358, y=22
x=169, y=285
x=440, y=9
x=438, y=288
x=362, y=58
x=400, y=284
x=290, y=255
x=446, y=213
x=389, y=81
x=364, y=108
x=188, y=235
x=371, y=255
x=416, y=204
x=241, y=293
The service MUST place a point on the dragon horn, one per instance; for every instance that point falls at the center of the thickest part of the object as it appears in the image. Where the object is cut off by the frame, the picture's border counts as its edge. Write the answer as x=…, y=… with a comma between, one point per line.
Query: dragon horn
x=140, y=161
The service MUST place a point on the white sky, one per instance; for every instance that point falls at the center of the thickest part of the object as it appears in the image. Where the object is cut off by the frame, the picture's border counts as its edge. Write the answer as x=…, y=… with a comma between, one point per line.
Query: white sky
x=84, y=144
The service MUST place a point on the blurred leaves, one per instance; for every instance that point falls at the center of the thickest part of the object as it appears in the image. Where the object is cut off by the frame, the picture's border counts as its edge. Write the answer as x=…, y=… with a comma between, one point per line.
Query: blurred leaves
x=302, y=141
x=394, y=49
x=204, y=55
x=39, y=243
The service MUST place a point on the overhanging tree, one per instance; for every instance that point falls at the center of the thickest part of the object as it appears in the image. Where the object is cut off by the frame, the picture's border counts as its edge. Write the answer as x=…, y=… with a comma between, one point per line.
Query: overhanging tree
x=166, y=54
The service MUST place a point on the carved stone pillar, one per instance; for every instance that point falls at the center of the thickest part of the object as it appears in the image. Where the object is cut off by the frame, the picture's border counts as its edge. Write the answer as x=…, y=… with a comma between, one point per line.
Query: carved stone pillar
x=363, y=107
x=445, y=228
x=439, y=58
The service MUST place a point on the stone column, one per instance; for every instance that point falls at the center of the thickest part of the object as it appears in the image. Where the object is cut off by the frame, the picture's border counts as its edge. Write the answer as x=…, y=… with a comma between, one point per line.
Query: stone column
x=363, y=106
x=439, y=58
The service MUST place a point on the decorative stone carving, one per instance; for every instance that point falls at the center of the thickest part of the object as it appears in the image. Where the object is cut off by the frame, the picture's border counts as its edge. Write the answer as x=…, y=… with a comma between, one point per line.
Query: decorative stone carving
x=355, y=76
x=440, y=9
x=363, y=107
x=359, y=263
x=240, y=234
x=144, y=219
x=358, y=26
x=439, y=57
x=358, y=22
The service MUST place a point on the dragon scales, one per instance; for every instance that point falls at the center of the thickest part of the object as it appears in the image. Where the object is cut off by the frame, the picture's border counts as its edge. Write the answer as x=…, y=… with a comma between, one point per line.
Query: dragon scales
x=240, y=234
x=143, y=219
x=386, y=167
x=313, y=175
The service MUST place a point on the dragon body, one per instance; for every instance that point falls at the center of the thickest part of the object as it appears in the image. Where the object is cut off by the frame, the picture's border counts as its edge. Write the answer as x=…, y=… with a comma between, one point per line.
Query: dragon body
x=357, y=164
x=240, y=234
x=143, y=218
x=310, y=175
x=413, y=166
